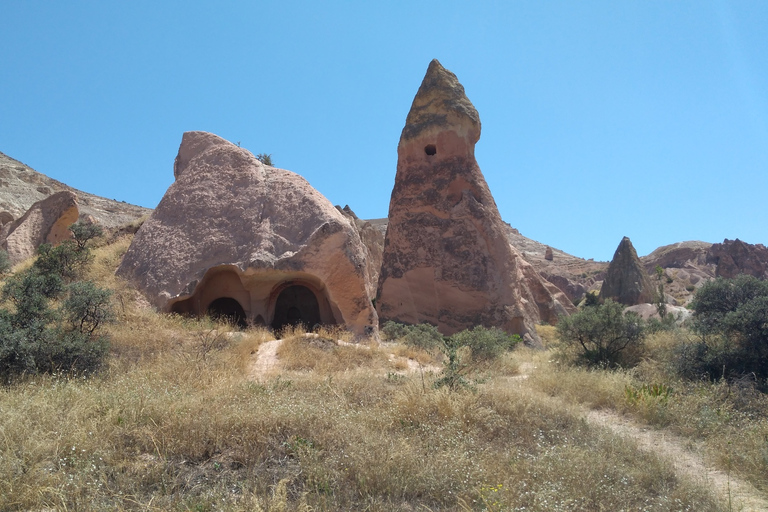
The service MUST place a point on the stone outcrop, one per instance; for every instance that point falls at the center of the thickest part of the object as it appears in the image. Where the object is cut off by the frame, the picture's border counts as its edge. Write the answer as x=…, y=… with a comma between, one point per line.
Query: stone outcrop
x=47, y=221
x=22, y=186
x=734, y=257
x=373, y=242
x=626, y=280
x=549, y=255
x=232, y=236
x=446, y=257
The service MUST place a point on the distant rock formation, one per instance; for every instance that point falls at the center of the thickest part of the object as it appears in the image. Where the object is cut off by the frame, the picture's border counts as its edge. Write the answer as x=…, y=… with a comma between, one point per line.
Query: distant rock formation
x=22, y=186
x=626, y=280
x=734, y=257
x=446, y=257
x=258, y=244
x=47, y=221
x=549, y=255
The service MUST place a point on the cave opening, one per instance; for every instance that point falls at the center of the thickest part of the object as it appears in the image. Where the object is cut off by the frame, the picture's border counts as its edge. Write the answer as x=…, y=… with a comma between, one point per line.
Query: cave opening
x=227, y=308
x=296, y=305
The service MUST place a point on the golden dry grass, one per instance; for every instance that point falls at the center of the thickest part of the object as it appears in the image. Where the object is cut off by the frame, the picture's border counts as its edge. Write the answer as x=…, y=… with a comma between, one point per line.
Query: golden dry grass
x=173, y=423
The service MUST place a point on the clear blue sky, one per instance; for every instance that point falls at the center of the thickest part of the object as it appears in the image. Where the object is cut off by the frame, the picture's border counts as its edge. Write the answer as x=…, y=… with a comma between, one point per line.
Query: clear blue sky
x=600, y=119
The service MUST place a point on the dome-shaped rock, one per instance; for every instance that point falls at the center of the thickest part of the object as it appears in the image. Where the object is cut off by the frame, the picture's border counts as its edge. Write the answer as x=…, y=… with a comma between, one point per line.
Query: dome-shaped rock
x=259, y=244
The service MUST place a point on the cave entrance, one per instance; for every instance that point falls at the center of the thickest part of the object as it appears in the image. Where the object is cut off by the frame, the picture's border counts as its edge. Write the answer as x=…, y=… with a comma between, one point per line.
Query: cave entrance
x=296, y=305
x=227, y=308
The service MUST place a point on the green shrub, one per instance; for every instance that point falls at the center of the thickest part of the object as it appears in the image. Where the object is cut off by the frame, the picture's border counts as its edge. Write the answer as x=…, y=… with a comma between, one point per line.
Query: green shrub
x=425, y=336
x=731, y=318
x=50, y=327
x=486, y=344
x=605, y=334
x=5, y=262
x=265, y=158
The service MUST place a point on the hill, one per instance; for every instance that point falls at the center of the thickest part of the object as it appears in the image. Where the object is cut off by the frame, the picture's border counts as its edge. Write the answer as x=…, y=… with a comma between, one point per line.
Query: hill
x=21, y=187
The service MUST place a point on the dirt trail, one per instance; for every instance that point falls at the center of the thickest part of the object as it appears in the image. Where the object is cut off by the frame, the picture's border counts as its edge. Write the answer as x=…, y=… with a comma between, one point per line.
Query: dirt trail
x=266, y=360
x=671, y=447
x=687, y=463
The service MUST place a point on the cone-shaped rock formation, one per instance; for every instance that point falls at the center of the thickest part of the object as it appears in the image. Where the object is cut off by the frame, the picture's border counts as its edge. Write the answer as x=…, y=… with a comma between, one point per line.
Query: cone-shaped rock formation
x=234, y=237
x=446, y=257
x=626, y=280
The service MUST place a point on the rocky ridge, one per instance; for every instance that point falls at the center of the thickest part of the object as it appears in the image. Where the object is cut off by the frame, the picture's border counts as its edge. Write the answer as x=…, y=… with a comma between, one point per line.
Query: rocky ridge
x=21, y=187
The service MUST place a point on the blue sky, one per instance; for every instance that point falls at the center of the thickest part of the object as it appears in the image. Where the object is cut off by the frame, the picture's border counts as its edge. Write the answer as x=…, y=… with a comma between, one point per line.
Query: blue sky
x=600, y=119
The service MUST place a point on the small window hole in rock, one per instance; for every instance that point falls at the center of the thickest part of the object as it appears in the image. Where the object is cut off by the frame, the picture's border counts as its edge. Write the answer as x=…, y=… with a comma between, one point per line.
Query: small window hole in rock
x=430, y=149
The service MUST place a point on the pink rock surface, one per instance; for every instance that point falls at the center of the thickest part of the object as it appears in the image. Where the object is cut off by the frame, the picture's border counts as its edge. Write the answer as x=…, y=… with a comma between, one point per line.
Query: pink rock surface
x=446, y=257
x=46, y=221
x=231, y=234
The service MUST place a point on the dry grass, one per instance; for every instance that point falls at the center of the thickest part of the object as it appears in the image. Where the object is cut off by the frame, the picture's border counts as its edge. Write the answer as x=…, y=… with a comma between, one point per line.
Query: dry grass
x=173, y=426
x=731, y=420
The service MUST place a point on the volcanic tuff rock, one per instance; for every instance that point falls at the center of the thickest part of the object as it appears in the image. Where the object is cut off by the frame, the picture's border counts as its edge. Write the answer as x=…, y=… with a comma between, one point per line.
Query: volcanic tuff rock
x=626, y=280
x=446, y=258
x=734, y=257
x=47, y=221
x=232, y=235
x=22, y=186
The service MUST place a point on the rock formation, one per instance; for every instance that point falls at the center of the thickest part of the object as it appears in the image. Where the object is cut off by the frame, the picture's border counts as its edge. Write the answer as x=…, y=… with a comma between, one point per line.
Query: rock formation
x=626, y=280
x=47, y=221
x=548, y=255
x=373, y=242
x=734, y=257
x=446, y=257
x=234, y=237
x=22, y=186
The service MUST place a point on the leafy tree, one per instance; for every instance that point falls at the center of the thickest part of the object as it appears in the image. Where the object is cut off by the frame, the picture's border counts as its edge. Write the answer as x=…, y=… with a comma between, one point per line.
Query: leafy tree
x=84, y=232
x=603, y=332
x=49, y=326
x=731, y=317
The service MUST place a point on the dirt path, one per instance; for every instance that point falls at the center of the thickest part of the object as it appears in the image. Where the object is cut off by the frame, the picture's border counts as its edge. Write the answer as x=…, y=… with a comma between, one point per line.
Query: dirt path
x=743, y=495
x=266, y=360
x=687, y=463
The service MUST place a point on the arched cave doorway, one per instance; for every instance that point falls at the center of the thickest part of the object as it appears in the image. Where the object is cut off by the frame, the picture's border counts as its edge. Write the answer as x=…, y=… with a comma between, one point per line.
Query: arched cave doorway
x=227, y=308
x=295, y=305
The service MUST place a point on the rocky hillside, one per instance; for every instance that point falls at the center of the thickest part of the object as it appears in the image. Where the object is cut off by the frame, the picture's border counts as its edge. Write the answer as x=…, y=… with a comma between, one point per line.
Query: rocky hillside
x=21, y=187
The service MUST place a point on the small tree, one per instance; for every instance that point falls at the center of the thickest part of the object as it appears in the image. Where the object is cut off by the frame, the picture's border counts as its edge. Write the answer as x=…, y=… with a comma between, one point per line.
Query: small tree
x=731, y=317
x=602, y=332
x=265, y=158
x=85, y=232
x=51, y=327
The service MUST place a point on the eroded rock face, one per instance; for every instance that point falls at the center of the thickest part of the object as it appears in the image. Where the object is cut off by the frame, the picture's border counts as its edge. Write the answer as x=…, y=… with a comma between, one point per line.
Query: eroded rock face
x=446, y=257
x=626, y=280
x=259, y=244
x=734, y=257
x=47, y=221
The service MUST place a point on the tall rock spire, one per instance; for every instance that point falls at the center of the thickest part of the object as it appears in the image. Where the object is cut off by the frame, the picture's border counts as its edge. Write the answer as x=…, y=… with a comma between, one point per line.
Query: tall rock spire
x=446, y=257
x=626, y=280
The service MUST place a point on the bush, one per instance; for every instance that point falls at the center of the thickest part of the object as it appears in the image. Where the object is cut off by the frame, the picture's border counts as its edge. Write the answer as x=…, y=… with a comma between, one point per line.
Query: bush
x=51, y=327
x=604, y=333
x=5, y=262
x=731, y=318
x=486, y=344
x=424, y=336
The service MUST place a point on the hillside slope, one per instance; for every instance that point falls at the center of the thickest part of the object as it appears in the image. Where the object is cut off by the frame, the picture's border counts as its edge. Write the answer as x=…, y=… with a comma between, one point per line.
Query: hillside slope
x=21, y=187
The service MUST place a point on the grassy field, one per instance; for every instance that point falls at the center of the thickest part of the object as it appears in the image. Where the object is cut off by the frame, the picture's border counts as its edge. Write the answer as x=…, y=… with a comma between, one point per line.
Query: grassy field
x=177, y=421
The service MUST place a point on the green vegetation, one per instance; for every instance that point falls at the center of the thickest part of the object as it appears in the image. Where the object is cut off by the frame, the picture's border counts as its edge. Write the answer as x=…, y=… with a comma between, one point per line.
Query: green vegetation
x=605, y=334
x=731, y=321
x=265, y=158
x=50, y=321
x=178, y=419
